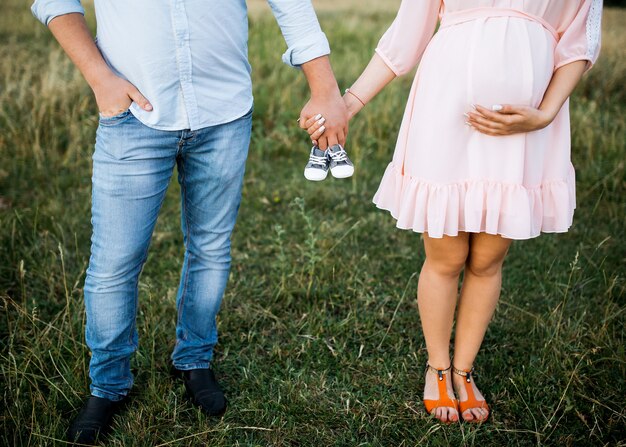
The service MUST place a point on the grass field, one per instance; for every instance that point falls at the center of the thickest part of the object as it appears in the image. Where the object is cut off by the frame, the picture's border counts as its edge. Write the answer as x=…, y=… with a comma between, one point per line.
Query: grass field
x=320, y=339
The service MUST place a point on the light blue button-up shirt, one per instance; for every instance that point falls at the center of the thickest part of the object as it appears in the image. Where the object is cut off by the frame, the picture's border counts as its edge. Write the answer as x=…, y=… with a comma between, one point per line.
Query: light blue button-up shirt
x=190, y=57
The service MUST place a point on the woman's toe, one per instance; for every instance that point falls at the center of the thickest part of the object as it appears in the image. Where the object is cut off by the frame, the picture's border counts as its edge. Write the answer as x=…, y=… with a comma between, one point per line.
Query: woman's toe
x=453, y=416
x=477, y=413
x=442, y=415
x=468, y=415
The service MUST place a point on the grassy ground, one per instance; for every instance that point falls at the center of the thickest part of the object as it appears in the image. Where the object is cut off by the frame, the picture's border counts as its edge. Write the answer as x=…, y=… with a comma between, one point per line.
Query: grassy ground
x=320, y=340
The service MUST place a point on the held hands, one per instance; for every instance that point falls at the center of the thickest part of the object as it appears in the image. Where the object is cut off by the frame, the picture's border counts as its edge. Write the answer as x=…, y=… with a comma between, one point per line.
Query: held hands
x=508, y=120
x=115, y=95
x=316, y=126
x=330, y=115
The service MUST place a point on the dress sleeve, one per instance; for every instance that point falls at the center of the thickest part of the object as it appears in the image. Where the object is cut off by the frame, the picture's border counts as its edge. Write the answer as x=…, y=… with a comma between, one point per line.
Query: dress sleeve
x=581, y=39
x=402, y=46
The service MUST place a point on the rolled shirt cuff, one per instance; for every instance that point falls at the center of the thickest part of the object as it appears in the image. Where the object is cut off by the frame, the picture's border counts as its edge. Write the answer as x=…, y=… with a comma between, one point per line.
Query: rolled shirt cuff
x=46, y=10
x=304, y=50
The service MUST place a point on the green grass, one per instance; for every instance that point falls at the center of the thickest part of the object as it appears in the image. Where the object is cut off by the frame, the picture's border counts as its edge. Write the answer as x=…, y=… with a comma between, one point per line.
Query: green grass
x=320, y=338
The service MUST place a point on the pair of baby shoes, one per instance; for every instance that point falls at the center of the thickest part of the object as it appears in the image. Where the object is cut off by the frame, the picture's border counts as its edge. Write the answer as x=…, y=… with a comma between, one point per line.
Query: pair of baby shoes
x=335, y=159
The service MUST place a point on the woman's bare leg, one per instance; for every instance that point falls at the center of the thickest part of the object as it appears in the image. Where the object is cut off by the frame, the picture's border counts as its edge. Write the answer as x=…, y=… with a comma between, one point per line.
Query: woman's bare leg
x=436, y=298
x=479, y=296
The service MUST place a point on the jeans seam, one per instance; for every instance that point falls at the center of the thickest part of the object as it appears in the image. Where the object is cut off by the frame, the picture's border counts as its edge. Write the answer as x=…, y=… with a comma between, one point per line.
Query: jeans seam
x=144, y=258
x=183, y=294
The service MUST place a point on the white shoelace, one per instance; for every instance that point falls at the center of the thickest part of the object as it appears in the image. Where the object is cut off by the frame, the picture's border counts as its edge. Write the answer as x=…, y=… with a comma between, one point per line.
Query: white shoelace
x=316, y=160
x=340, y=155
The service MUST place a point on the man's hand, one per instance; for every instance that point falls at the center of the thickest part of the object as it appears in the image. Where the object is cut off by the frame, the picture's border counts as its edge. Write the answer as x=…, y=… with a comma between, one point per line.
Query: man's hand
x=115, y=95
x=333, y=128
x=315, y=126
x=326, y=101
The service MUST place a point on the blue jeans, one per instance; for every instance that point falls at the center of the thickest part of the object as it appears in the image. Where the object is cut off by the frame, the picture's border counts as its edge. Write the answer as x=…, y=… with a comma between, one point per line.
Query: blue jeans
x=132, y=167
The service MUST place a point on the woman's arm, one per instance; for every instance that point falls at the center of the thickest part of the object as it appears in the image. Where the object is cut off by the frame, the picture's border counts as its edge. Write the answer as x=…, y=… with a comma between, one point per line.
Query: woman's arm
x=397, y=53
x=577, y=50
x=511, y=119
x=374, y=78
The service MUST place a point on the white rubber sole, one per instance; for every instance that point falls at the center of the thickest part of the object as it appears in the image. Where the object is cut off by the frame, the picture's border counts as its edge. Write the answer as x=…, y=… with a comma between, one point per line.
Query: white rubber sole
x=315, y=175
x=342, y=171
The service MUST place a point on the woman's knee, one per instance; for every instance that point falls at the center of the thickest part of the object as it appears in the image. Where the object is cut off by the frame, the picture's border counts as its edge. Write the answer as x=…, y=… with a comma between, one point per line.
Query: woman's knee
x=446, y=256
x=450, y=265
x=484, y=266
x=487, y=255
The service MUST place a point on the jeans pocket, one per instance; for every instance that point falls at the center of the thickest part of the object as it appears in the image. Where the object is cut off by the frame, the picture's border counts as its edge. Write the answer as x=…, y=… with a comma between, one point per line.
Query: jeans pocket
x=115, y=119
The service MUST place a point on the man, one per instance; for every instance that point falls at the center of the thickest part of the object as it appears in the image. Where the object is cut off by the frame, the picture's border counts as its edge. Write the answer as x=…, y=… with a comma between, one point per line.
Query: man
x=172, y=84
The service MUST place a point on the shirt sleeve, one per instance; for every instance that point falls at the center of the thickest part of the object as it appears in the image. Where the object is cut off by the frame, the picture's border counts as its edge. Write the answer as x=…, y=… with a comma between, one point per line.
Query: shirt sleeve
x=46, y=10
x=301, y=30
x=402, y=46
x=581, y=39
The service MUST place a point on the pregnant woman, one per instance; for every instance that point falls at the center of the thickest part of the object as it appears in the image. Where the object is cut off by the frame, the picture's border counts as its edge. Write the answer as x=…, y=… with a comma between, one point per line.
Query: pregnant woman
x=482, y=158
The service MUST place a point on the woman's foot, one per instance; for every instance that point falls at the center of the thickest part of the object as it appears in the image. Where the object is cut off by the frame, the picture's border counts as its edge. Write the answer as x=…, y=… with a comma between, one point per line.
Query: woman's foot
x=439, y=397
x=472, y=403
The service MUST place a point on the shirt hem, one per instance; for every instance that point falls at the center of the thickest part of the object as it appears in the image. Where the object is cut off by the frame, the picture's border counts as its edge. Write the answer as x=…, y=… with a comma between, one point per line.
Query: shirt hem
x=194, y=128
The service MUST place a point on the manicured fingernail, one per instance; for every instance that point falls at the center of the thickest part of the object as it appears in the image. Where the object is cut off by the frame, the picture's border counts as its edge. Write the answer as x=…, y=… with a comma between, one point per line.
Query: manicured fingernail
x=149, y=107
x=321, y=120
x=466, y=115
x=474, y=106
x=318, y=116
x=321, y=129
x=468, y=124
x=496, y=107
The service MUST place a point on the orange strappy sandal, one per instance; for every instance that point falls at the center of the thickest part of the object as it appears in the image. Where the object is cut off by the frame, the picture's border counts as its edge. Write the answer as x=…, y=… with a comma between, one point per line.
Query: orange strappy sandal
x=471, y=401
x=444, y=400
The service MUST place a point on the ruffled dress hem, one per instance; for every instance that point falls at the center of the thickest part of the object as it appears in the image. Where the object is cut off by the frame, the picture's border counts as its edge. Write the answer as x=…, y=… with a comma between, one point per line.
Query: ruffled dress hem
x=510, y=210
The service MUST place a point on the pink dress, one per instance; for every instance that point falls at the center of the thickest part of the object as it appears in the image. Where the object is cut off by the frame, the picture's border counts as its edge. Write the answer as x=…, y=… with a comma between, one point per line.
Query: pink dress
x=446, y=177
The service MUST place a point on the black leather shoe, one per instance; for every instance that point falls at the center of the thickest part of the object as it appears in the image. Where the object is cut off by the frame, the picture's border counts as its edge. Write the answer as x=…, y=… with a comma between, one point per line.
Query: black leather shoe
x=203, y=390
x=94, y=420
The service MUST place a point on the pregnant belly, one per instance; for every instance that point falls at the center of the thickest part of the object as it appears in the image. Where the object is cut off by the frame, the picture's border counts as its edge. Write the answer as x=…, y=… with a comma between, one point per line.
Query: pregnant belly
x=498, y=60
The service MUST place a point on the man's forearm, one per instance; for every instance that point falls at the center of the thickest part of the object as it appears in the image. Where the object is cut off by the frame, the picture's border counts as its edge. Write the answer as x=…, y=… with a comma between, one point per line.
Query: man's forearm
x=113, y=94
x=320, y=77
x=308, y=48
x=325, y=100
x=73, y=35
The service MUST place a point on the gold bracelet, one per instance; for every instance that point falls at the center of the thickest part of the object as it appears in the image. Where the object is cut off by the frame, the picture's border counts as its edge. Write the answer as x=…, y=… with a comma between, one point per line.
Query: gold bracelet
x=353, y=94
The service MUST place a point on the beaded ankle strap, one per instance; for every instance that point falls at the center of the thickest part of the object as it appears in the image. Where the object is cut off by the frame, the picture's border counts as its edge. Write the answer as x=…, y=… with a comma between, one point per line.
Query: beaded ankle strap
x=439, y=372
x=466, y=374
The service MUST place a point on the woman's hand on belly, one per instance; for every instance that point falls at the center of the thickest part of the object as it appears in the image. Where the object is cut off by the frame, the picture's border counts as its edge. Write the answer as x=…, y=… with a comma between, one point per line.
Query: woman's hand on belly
x=508, y=119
